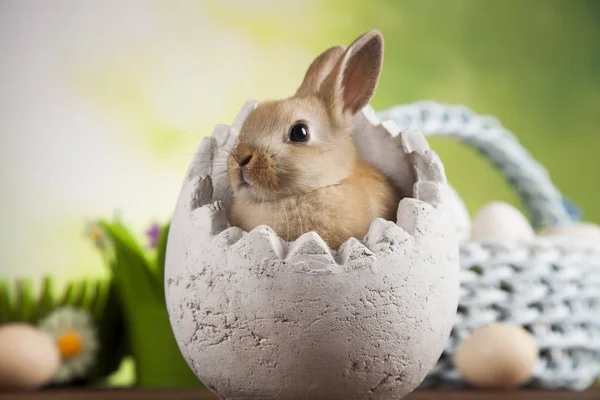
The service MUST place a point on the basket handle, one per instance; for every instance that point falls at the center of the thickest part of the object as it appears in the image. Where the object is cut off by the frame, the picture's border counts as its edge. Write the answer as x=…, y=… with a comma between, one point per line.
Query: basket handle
x=529, y=178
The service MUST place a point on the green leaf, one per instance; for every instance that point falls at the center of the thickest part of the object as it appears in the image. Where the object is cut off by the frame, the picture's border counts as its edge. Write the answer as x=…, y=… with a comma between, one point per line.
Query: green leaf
x=7, y=313
x=130, y=265
x=74, y=294
x=118, y=230
x=90, y=293
x=111, y=328
x=162, y=253
x=140, y=290
x=46, y=300
x=69, y=294
x=26, y=302
x=100, y=301
x=82, y=293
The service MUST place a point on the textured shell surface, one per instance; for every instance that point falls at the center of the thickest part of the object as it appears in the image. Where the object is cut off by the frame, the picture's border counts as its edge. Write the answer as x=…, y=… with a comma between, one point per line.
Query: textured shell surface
x=257, y=317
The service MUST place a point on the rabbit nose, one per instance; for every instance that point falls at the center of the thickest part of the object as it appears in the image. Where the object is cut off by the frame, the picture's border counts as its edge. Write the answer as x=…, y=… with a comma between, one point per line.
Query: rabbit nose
x=246, y=160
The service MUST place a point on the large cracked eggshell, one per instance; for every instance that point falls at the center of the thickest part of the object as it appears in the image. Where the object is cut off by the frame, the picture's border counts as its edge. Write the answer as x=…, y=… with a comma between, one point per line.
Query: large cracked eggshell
x=378, y=147
x=259, y=318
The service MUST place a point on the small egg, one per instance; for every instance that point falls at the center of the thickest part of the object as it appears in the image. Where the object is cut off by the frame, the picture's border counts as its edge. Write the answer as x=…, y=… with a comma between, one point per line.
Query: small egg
x=497, y=356
x=499, y=220
x=584, y=232
x=29, y=357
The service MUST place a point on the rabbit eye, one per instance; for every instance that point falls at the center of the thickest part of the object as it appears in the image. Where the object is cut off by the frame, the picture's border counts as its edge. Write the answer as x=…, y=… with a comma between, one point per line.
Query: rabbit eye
x=299, y=133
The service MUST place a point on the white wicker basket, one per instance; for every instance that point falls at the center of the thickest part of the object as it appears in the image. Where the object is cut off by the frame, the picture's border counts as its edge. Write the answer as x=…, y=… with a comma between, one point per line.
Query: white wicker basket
x=551, y=287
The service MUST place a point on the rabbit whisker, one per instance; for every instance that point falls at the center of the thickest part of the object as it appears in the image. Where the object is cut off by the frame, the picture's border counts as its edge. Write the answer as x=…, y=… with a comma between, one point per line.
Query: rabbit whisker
x=205, y=162
x=188, y=133
x=262, y=207
x=195, y=154
x=228, y=191
x=212, y=139
x=275, y=225
x=287, y=220
x=220, y=146
x=297, y=212
x=269, y=146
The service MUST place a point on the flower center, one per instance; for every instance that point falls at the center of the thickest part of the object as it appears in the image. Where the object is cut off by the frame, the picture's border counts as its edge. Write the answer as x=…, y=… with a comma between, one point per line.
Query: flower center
x=69, y=344
x=96, y=235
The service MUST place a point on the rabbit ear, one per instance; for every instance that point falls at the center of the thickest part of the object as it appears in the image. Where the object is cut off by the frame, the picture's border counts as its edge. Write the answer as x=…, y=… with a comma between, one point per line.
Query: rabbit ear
x=318, y=70
x=352, y=82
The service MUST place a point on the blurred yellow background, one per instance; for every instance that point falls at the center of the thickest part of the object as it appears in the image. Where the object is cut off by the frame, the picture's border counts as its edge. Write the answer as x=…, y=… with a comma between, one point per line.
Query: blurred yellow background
x=103, y=102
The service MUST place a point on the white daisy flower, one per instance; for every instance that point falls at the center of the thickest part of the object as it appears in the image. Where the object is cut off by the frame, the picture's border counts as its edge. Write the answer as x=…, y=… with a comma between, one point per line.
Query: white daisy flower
x=75, y=335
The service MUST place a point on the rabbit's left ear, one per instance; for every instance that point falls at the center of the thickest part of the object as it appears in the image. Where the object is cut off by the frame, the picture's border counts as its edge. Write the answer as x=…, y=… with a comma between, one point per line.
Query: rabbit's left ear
x=318, y=70
x=353, y=80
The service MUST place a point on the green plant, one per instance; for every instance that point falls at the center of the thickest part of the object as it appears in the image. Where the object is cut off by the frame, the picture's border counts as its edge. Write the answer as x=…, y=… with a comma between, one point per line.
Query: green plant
x=20, y=303
x=138, y=276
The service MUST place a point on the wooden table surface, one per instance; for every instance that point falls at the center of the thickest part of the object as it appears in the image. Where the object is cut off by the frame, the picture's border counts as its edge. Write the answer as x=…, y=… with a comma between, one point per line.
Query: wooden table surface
x=196, y=394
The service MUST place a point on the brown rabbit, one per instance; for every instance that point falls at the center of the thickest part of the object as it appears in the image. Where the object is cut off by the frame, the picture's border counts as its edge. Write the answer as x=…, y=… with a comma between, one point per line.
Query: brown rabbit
x=295, y=167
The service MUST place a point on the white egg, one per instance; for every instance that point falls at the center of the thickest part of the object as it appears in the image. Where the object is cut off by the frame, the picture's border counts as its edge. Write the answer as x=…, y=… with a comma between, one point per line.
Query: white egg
x=497, y=356
x=29, y=357
x=585, y=232
x=499, y=220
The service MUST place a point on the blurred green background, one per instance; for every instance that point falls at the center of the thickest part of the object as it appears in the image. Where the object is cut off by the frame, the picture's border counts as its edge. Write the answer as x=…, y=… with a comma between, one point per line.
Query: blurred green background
x=533, y=64
x=104, y=102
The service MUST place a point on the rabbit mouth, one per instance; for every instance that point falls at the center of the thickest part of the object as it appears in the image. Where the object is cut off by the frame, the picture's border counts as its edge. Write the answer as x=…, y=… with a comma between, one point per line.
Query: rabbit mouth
x=243, y=180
